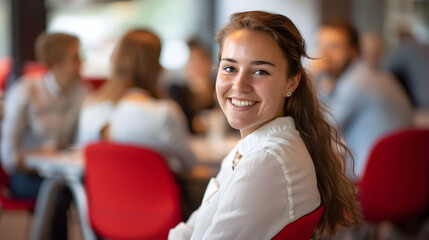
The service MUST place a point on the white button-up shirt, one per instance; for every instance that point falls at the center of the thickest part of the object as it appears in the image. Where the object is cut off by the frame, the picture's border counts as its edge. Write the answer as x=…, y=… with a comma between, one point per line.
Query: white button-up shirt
x=273, y=185
x=157, y=124
x=93, y=118
x=37, y=114
x=148, y=122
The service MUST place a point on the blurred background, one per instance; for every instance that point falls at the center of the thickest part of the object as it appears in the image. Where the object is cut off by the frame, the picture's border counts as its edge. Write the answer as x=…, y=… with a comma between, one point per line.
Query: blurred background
x=99, y=23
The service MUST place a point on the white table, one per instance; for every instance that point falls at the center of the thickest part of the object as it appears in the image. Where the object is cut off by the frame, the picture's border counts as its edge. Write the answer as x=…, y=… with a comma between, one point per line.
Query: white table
x=59, y=169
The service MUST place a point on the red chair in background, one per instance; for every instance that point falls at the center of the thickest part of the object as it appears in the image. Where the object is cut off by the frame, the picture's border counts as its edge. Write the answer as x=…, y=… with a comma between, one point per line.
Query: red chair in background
x=5, y=69
x=34, y=70
x=8, y=202
x=395, y=184
x=94, y=83
x=301, y=229
x=131, y=192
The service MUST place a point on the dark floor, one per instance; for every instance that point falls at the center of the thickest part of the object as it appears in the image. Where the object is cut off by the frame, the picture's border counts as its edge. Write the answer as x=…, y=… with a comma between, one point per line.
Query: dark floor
x=17, y=225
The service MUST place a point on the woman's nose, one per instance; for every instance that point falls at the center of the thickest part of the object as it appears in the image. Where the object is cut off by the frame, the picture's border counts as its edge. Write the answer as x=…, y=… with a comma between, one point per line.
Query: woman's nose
x=242, y=82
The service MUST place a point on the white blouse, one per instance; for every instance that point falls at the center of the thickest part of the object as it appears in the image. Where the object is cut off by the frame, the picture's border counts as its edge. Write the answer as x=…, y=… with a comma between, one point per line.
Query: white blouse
x=92, y=119
x=152, y=123
x=273, y=184
x=157, y=124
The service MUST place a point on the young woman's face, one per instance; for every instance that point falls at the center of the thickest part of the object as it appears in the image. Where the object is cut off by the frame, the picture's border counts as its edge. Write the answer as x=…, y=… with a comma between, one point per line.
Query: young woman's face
x=252, y=81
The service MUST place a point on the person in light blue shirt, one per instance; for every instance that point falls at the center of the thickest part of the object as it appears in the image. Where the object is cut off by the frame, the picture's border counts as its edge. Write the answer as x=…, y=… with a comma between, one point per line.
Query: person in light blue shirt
x=42, y=114
x=409, y=63
x=364, y=102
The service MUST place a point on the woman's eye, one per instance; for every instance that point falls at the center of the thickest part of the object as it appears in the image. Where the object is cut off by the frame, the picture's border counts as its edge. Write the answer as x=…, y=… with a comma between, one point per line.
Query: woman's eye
x=261, y=72
x=229, y=69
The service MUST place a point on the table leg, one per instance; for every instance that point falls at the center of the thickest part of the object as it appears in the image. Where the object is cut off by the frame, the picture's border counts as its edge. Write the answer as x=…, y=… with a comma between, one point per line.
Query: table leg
x=44, y=207
x=79, y=196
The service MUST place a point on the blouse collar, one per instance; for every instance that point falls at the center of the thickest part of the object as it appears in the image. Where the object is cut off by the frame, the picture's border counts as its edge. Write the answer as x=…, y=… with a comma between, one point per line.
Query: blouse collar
x=258, y=137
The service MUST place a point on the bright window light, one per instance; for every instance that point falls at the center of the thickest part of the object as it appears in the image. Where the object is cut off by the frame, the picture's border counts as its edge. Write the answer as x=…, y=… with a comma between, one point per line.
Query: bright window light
x=174, y=55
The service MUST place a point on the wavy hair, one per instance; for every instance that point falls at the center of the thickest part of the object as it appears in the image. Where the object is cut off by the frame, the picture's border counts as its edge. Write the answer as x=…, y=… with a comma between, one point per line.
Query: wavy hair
x=328, y=152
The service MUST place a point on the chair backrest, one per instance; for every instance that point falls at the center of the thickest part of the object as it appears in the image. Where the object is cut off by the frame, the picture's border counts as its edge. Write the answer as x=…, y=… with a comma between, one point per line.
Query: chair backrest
x=8, y=202
x=4, y=178
x=5, y=69
x=34, y=70
x=94, y=83
x=302, y=228
x=395, y=184
x=132, y=193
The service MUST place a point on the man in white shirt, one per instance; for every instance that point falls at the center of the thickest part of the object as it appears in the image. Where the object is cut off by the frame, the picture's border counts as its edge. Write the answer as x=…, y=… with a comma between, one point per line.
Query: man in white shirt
x=42, y=113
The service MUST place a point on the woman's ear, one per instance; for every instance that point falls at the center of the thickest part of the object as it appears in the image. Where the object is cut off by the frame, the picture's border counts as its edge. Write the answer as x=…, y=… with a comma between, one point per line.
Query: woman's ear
x=292, y=84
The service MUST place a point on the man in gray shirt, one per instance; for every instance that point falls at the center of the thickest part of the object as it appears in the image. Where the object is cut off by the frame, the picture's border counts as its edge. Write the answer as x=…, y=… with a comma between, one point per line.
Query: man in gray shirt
x=42, y=114
x=365, y=103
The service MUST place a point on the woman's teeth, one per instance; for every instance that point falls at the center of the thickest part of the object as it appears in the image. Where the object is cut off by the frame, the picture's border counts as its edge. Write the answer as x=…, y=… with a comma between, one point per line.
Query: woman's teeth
x=239, y=103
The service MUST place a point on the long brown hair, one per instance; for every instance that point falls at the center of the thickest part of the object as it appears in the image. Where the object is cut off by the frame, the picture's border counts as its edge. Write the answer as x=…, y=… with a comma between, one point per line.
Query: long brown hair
x=135, y=64
x=327, y=151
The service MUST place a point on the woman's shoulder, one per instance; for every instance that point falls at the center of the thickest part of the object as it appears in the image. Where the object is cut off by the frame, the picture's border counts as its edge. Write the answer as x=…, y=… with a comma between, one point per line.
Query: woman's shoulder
x=283, y=145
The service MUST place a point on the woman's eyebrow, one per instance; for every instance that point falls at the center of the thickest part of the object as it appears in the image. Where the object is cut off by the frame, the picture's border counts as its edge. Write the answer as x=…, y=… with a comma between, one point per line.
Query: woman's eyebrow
x=257, y=62
x=229, y=60
x=260, y=62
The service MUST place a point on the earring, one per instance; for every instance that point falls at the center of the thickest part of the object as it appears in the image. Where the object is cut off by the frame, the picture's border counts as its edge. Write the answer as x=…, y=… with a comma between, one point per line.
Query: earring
x=288, y=94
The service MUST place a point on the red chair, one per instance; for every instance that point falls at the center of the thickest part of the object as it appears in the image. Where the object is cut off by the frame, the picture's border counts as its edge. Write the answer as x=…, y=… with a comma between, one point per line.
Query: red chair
x=34, y=70
x=5, y=69
x=94, y=83
x=131, y=192
x=8, y=202
x=301, y=229
x=395, y=184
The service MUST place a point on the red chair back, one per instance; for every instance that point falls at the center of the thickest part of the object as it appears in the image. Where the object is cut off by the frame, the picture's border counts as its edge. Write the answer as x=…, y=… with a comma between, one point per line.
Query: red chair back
x=94, y=83
x=301, y=229
x=395, y=184
x=34, y=70
x=132, y=193
x=5, y=69
x=8, y=202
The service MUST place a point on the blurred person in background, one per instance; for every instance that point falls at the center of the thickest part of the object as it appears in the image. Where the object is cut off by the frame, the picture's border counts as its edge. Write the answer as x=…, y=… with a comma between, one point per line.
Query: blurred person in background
x=128, y=108
x=42, y=114
x=364, y=102
x=409, y=63
x=197, y=94
x=288, y=156
x=372, y=49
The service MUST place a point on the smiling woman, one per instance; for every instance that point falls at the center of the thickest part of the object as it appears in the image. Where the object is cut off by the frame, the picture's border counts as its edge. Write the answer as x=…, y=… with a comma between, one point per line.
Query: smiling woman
x=252, y=81
x=289, y=160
